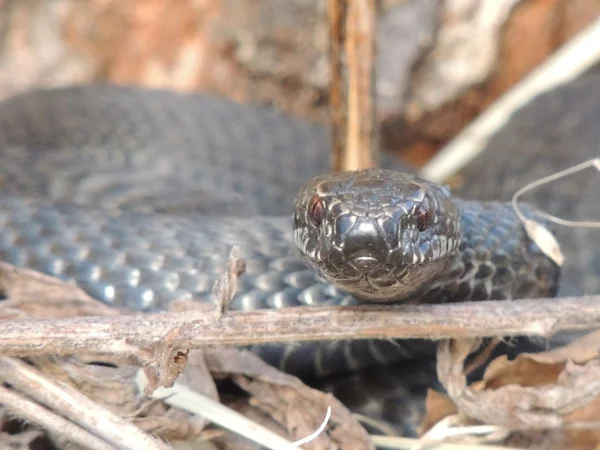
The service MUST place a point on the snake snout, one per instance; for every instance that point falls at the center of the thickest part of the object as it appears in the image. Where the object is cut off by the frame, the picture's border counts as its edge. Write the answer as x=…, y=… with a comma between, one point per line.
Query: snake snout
x=361, y=242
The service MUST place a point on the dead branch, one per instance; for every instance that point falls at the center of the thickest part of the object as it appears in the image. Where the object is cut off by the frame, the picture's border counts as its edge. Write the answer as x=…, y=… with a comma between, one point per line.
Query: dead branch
x=23, y=407
x=68, y=402
x=119, y=334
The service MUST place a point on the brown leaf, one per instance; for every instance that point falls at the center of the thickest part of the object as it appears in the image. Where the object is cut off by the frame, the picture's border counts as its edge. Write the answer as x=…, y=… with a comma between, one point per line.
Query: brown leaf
x=451, y=357
x=590, y=412
x=437, y=406
x=40, y=296
x=586, y=430
x=293, y=405
x=541, y=405
x=523, y=370
x=172, y=424
x=226, y=285
x=168, y=361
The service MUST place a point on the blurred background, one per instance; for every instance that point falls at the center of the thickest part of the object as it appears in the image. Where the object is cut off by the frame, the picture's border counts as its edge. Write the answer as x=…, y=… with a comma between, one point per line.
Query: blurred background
x=439, y=62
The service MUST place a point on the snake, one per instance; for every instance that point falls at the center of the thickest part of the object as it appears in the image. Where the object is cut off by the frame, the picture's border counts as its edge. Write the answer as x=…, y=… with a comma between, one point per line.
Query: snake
x=137, y=195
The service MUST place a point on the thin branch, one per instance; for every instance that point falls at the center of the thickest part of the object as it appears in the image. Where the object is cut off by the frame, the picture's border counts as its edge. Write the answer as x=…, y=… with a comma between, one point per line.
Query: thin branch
x=119, y=335
x=25, y=408
x=69, y=402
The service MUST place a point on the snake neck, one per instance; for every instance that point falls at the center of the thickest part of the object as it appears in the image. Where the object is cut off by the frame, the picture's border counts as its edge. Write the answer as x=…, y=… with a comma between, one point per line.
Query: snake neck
x=496, y=259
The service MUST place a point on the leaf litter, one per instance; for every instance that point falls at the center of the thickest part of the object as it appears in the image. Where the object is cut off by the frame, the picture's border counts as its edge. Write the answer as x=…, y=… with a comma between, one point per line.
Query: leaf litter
x=553, y=395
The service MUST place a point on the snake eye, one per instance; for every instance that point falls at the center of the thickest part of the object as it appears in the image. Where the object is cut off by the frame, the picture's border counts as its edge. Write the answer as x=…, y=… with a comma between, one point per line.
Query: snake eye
x=316, y=211
x=424, y=214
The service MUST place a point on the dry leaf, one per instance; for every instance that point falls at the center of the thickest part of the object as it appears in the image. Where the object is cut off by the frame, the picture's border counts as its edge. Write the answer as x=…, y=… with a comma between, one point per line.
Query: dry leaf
x=226, y=285
x=545, y=240
x=168, y=361
x=40, y=296
x=438, y=406
x=523, y=370
x=293, y=405
x=549, y=391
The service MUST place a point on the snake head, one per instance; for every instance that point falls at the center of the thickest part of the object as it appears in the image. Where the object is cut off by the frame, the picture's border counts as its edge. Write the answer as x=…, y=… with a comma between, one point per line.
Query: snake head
x=380, y=235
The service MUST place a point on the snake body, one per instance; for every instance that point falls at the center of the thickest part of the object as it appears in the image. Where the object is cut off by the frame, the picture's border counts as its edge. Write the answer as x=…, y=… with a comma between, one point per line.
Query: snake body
x=137, y=196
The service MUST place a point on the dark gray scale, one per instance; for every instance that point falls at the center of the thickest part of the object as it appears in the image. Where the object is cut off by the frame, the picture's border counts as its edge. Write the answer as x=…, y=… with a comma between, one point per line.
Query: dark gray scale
x=121, y=146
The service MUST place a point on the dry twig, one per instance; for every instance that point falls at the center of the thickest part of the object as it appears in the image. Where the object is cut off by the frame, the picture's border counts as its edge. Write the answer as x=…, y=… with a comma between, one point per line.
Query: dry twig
x=122, y=335
x=66, y=401
x=24, y=407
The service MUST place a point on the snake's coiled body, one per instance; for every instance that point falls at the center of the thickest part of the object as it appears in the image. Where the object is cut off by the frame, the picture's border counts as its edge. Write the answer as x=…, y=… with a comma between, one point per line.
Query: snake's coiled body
x=135, y=196
x=138, y=195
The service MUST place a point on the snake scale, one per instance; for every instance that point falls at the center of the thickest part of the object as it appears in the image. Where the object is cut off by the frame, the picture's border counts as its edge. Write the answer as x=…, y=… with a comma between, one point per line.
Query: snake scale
x=137, y=196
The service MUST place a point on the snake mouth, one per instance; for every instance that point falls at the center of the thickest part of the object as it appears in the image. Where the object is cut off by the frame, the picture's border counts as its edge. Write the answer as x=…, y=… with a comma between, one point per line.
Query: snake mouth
x=384, y=283
x=363, y=261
